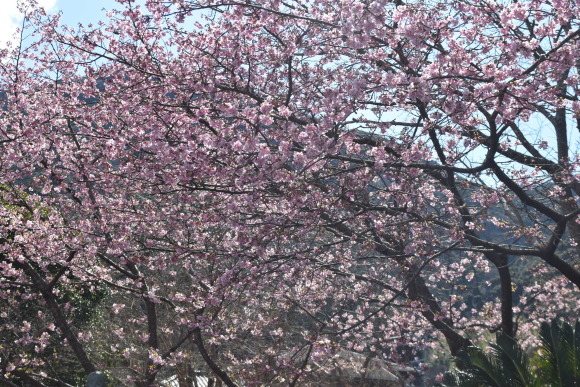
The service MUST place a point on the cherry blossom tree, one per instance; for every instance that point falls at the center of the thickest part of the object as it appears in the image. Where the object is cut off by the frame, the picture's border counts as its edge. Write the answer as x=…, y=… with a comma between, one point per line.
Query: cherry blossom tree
x=255, y=186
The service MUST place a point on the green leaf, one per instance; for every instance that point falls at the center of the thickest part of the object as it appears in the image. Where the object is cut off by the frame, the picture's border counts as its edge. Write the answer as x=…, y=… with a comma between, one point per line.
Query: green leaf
x=513, y=361
x=560, y=354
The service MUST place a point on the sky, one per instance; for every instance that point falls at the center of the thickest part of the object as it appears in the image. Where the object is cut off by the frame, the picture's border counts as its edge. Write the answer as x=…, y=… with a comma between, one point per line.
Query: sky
x=73, y=12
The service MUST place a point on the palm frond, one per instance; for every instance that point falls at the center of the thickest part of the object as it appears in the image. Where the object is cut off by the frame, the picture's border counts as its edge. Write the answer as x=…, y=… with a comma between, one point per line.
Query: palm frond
x=514, y=362
x=484, y=367
x=458, y=378
x=508, y=365
x=576, y=353
x=560, y=354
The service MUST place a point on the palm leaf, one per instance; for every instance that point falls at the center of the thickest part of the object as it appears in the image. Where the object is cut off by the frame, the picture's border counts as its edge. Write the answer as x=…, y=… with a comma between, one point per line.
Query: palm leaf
x=576, y=353
x=560, y=354
x=514, y=362
x=484, y=367
x=507, y=365
x=459, y=378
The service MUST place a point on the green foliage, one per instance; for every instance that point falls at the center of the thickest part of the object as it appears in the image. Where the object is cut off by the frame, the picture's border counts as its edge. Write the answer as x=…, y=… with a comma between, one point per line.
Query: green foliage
x=559, y=359
x=83, y=299
x=557, y=362
x=505, y=365
x=15, y=201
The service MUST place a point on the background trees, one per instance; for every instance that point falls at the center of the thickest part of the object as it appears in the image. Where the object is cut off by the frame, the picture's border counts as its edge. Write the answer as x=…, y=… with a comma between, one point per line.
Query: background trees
x=259, y=182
